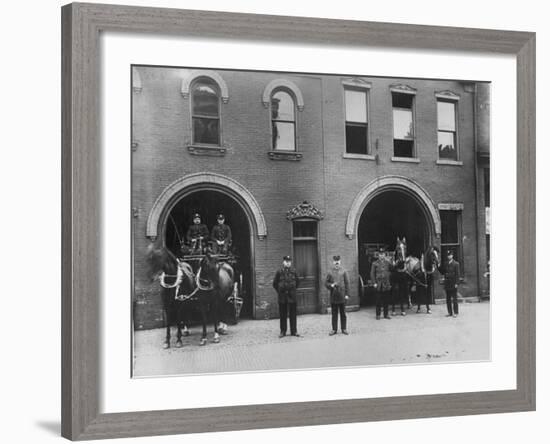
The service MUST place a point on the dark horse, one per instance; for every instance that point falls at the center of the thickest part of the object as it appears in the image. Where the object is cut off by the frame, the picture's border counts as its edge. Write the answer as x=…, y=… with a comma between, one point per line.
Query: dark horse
x=420, y=273
x=215, y=285
x=212, y=284
x=430, y=263
x=174, y=281
x=409, y=271
x=398, y=278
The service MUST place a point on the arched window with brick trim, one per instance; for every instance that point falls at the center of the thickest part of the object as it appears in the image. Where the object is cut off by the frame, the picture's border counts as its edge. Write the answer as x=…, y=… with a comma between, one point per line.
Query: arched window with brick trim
x=205, y=112
x=283, y=121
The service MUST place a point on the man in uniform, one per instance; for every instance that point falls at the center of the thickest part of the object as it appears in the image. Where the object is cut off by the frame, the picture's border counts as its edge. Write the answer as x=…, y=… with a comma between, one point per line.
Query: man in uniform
x=197, y=235
x=221, y=236
x=285, y=283
x=451, y=274
x=337, y=282
x=380, y=276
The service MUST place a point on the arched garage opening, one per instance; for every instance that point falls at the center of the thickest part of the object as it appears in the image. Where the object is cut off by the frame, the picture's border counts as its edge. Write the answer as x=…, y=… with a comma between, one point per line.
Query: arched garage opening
x=388, y=207
x=212, y=193
x=389, y=215
x=209, y=203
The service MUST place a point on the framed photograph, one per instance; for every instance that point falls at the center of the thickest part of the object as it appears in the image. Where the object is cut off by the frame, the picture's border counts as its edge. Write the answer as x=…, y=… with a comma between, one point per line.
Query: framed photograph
x=327, y=210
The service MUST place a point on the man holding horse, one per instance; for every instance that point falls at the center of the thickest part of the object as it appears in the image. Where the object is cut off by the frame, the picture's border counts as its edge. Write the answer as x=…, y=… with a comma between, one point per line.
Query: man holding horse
x=380, y=276
x=285, y=283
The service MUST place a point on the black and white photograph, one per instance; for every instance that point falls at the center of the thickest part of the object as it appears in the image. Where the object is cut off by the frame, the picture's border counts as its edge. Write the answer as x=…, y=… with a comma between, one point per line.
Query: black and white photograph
x=286, y=221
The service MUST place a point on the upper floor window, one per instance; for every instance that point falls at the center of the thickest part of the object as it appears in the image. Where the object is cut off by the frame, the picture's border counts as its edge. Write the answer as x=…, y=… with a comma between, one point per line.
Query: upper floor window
x=283, y=121
x=403, y=124
x=446, y=130
x=356, y=121
x=205, y=110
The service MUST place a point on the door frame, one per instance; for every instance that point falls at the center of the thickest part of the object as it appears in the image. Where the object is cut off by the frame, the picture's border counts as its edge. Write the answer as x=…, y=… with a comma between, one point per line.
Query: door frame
x=318, y=254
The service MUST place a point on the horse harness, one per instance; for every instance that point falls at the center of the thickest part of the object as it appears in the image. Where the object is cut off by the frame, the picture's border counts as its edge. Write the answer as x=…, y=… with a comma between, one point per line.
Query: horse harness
x=200, y=283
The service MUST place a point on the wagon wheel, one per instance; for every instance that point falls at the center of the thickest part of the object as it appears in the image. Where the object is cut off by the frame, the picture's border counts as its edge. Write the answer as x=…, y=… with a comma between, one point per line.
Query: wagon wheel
x=236, y=298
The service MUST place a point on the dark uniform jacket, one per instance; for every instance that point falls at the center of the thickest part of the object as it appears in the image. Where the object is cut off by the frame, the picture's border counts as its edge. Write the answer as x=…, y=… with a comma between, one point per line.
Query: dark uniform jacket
x=337, y=276
x=380, y=271
x=451, y=273
x=197, y=230
x=286, y=282
x=221, y=232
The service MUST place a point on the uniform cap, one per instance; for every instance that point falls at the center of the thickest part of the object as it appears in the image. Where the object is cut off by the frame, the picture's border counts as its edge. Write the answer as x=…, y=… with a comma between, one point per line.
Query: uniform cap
x=286, y=258
x=450, y=252
x=336, y=257
x=220, y=216
x=196, y=215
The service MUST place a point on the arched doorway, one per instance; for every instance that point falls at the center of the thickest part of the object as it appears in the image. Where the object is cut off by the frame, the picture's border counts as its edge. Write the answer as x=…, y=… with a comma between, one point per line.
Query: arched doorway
x=388, y=207
x=209, y=203
x=389, y=215
x=223, y=190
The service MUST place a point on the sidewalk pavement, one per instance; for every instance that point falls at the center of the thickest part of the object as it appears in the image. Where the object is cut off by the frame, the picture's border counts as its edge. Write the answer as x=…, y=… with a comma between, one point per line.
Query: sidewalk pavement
x=254, y=345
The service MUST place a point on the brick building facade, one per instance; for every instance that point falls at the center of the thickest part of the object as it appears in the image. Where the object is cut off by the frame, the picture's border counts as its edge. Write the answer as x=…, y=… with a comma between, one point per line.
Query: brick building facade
x=308, y=165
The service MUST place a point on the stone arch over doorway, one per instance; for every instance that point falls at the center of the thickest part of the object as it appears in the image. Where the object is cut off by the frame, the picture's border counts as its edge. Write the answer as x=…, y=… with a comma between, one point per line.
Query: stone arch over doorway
x=204, y=181
x=393, y=183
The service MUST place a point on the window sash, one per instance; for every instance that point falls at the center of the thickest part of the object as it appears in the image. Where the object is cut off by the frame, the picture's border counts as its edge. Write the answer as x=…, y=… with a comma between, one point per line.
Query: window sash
x=356, y=148
x=397, y=126
x=282, y=140
x=213, y=137
x=356, y=106
x=287, y=112
x=446, y=116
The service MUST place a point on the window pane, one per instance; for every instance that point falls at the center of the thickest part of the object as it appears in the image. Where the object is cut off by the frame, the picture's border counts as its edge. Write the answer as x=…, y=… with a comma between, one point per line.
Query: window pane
x=446, y=145
x=446, y=116
x=356, y=139
x=356, y=106
x=402, y=100
x=402, y=124
x=449, y=227
x=305, y=229
x=206, y=130
x=283, y=136
x=282, y=106
x=403, y=148
x=205, y=100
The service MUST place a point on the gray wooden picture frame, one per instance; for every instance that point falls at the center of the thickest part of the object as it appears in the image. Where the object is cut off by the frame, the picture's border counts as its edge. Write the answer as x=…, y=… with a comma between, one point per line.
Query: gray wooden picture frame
x=81, y=173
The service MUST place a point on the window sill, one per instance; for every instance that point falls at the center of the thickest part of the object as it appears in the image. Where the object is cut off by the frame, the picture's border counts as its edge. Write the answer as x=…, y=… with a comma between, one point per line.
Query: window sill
x=358, y=156
x=285, y=155
x=406, y=159
x=449, y=162
x=204, y=150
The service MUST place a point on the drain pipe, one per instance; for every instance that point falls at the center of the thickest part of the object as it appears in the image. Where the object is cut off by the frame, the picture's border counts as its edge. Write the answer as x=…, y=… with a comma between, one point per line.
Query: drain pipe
x=476, y=185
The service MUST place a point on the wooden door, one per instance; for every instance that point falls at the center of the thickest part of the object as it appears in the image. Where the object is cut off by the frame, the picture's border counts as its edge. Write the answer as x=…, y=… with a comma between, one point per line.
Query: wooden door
x=306, y=262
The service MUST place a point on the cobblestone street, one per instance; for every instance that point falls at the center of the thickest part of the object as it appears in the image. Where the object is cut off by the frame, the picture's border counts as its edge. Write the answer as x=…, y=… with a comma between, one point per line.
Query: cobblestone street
x=254, y=345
